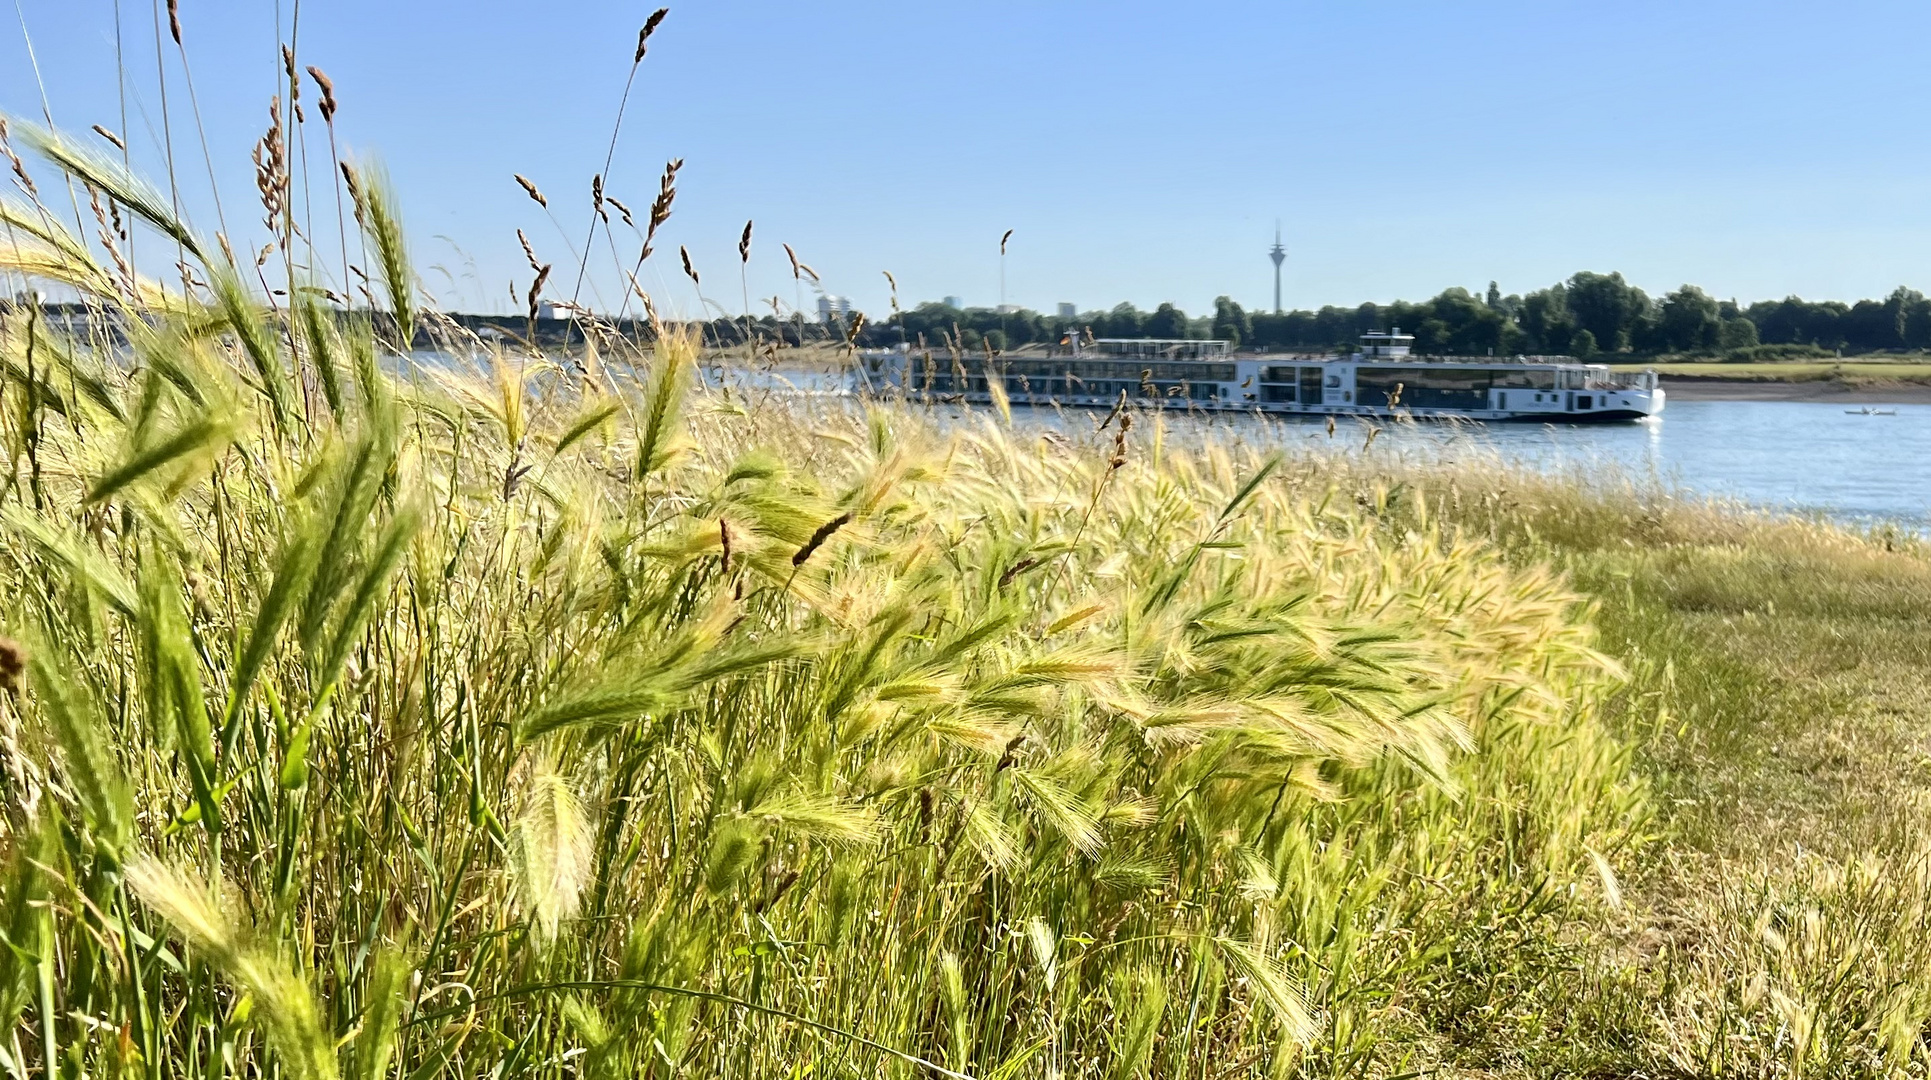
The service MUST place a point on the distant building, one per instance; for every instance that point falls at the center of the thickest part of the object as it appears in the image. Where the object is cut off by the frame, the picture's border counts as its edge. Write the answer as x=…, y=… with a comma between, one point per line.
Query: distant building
x=833, y=308
x=1008, y=309
x=1277, y=253
x=955, y=302
x=546, y=310
x=1068, y=311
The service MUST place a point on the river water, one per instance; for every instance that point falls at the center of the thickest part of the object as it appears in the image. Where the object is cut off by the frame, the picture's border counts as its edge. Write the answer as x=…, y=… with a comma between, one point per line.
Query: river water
x=1801, y=457
x=1809, y=458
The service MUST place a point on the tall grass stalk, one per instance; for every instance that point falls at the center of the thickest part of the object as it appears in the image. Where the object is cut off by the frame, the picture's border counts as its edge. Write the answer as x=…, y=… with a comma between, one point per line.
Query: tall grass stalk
x=514, y=723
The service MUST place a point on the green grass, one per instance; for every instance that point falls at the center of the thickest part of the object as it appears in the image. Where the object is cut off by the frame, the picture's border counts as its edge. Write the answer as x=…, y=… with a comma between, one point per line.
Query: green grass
x=545, y=721
x=1844, y=371
x=1778, y=928
x=550, y=722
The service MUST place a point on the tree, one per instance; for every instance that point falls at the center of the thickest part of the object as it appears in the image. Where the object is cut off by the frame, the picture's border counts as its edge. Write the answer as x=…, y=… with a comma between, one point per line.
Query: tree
x=1608, y=307
x=1230, y=324
x=1167, y=322
x=1124, y=321
x=1688, y=320
x=1582, y=346
x=1796, y=321
x=1737, y=333
x=1545, y=320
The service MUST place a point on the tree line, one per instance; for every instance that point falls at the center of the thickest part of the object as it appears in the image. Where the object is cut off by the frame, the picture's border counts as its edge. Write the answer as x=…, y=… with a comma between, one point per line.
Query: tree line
x=1589, y=313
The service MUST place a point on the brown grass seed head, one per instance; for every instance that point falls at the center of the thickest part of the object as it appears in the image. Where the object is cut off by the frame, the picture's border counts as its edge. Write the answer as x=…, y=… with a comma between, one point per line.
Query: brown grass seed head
x=13, y=662
x=536, y=288
x=530, y=188
x=328, y=93
x=818, y=538
x=643, y=36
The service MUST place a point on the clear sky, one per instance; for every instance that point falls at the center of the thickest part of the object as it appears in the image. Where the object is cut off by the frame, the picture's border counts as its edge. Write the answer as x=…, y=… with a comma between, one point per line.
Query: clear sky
x=1140, y=151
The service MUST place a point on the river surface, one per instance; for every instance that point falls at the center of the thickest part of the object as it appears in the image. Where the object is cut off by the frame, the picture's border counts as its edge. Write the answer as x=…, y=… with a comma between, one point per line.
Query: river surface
x=1807, y=458
x=1810, y=458
x=1802, y=457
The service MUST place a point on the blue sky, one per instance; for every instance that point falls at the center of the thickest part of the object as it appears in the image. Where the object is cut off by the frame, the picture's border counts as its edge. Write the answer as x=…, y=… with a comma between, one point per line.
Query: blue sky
x=1140, y=152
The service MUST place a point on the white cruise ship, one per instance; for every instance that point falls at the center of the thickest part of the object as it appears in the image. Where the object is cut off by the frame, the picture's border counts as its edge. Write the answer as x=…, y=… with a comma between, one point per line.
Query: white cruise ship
x=1383, y=378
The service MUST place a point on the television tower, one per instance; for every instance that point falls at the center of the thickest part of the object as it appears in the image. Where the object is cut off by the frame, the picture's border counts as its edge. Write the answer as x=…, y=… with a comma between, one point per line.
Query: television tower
x=1279, y=255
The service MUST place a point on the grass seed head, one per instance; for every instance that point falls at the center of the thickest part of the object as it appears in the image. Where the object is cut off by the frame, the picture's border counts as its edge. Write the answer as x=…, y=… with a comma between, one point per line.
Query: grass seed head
x=536, y=287
x=13, y=663
x=819, y=537
x=643, y=36
x=327, y=87
x=529, y=188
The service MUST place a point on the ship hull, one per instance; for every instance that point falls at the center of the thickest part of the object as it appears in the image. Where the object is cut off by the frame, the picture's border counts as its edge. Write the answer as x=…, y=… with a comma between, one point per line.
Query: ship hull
x=1601, y=416
x=1528, y=390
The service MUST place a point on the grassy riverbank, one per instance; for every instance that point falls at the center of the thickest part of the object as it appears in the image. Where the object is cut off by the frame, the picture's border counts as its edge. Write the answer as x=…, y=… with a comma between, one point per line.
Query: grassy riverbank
x=1845, y=372
x=543, y=722
x=1778, y=927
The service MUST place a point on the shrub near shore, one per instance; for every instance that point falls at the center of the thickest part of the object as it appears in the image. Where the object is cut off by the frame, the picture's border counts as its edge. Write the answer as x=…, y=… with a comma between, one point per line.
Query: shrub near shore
x=538, y=723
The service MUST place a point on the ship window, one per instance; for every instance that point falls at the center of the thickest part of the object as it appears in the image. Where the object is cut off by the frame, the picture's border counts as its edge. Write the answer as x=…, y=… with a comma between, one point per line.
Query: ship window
x=1582, y=402
x=1423, y=387
x=1524, y=378
x=1502, y=400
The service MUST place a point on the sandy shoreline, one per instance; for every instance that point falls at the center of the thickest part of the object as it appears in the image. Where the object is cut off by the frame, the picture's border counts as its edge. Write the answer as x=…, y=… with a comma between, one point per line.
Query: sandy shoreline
x=1821, y=390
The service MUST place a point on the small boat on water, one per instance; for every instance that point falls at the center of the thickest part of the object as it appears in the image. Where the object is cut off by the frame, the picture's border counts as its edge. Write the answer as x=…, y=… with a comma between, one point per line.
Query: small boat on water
x=1382, y=378
x=1868, y=411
